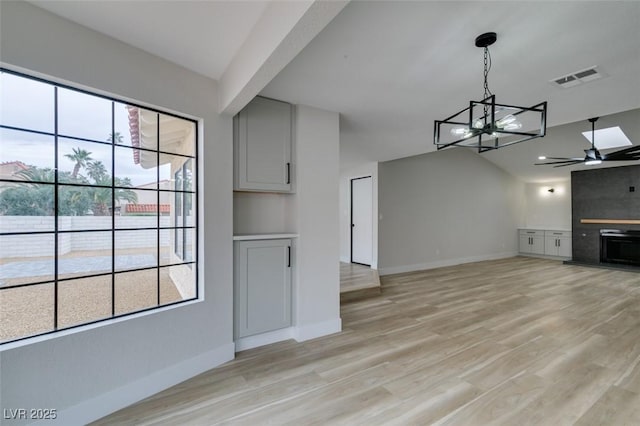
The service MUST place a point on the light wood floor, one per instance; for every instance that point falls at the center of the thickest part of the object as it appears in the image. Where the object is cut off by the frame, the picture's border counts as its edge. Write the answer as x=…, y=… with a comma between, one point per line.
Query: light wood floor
x=357, y=277
x=517, y=341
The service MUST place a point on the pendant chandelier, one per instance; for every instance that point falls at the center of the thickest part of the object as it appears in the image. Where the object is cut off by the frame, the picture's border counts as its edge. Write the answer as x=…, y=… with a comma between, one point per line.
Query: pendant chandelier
x=487, y=125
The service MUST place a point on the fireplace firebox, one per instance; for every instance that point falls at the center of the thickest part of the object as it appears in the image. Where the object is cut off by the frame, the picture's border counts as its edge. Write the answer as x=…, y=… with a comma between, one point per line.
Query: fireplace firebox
x=621, y=247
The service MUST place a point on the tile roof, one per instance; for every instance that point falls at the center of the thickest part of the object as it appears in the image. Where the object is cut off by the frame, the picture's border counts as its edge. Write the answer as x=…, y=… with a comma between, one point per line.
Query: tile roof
x=147, y=208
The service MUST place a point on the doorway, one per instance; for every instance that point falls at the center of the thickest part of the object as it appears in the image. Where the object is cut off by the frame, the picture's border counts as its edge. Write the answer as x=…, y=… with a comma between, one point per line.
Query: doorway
x=362, y=220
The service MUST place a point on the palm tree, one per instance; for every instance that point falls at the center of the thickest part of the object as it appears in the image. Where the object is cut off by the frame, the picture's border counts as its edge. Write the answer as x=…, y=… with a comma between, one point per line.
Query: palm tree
x=116, y=138
x=98, y=172
x=36, y=174
x=81, y=157
x=125, y=194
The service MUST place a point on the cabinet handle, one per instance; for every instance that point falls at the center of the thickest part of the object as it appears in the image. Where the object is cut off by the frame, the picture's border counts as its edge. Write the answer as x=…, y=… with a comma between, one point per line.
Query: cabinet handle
x=288, y=256
x=288, y=173
x=558, y=242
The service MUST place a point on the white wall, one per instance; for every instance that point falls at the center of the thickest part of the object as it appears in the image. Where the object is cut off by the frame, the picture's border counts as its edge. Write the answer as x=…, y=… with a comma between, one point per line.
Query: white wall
x=446, y=208
x=88, y=374
x=367, y=169
x=548, y=210
x=257, y=213
x=316, y=209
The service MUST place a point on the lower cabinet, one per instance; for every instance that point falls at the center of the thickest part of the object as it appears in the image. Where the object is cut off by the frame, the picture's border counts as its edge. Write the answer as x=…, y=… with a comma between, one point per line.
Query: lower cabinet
x=531, y=241
x=262, y=286
x=545, y=242
x=557, y=243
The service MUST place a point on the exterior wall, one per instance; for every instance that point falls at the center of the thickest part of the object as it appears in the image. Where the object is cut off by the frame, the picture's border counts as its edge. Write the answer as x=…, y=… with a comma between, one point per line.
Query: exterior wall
x=37, y=245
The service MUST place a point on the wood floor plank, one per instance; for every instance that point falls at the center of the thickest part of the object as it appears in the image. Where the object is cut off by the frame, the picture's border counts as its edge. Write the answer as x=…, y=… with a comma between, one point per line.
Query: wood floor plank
x=511, y=341
x=616, y=407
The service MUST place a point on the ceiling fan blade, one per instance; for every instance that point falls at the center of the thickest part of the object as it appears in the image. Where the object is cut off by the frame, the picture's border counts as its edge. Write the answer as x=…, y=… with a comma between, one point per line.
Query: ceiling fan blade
x=566, y=158
x=569, y=164
x=566, y=162
x=622, y=158
x=631, y=150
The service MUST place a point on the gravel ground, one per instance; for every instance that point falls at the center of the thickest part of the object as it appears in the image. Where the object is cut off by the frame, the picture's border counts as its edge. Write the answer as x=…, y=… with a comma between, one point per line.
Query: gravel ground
x=25, y=311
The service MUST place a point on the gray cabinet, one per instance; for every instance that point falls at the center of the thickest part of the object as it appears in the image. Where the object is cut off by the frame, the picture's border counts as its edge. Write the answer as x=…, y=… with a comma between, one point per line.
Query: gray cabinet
x=557, y=243
x=531, y=241
x=262, y=286
x=262, y=146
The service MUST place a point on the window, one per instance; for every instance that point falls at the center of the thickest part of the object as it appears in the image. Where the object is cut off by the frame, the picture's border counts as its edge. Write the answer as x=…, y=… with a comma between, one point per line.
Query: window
x=98, y=208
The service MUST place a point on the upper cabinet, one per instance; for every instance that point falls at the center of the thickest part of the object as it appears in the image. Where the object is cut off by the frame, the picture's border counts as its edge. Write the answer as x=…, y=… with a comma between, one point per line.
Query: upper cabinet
x=262, y=146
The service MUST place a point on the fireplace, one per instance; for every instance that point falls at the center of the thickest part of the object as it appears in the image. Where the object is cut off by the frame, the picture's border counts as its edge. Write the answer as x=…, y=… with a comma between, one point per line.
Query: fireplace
x=618, y=246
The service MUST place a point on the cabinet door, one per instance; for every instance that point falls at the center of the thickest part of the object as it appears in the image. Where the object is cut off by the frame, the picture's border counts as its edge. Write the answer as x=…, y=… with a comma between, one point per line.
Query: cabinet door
x=525, y=243
x=538, y=245
x=263, y=146
x=262, y=286
x=564, y=247
x=551, y=246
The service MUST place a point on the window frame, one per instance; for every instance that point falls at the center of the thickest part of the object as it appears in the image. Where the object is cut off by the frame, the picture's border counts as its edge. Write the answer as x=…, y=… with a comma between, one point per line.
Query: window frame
x=194, y=192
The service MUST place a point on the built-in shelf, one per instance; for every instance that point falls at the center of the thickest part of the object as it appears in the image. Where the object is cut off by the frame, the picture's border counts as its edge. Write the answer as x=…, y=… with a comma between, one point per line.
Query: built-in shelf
x=612, y=221
x=265, y=236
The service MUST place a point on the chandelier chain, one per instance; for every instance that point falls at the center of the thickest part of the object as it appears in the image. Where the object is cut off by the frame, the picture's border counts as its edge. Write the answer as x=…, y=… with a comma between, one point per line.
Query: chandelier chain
x=487, y=67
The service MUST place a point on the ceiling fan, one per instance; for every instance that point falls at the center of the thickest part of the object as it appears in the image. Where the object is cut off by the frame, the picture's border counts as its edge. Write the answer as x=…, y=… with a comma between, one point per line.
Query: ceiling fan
x=593, y=155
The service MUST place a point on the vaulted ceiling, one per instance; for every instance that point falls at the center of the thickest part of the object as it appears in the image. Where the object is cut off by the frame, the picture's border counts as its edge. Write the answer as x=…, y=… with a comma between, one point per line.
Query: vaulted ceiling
x=392, y=67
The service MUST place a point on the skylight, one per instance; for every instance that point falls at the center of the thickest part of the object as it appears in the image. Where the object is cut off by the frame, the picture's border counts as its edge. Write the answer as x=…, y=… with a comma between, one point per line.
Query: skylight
x=611, y=137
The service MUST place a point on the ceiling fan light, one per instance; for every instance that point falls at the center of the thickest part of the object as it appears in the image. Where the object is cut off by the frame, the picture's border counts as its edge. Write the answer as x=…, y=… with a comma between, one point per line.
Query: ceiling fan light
x=592, y=162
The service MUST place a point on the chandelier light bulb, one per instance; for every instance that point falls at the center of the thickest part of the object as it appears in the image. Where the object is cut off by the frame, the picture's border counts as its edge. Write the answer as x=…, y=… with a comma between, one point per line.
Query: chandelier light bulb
x=478, y=124
x=513, y=126
x=508, y=119
x=459, y=131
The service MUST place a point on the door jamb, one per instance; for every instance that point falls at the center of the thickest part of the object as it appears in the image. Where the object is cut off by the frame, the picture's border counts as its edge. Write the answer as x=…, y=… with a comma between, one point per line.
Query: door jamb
x=351, y=218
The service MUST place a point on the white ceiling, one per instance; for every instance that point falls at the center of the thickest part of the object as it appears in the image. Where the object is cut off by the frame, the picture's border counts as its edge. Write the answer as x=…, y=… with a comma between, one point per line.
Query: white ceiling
x=392, y=67
x=202, y=36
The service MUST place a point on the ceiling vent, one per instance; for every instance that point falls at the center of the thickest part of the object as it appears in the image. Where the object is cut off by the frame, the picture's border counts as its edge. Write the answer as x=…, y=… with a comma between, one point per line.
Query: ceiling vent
x=578, y=77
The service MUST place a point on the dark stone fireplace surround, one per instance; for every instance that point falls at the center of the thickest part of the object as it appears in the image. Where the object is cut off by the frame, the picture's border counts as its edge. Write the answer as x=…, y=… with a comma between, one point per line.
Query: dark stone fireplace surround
x=606, y=193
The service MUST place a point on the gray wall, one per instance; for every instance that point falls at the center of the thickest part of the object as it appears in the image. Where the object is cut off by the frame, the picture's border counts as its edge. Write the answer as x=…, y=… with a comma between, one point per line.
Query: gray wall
x=602, y=194
x=87, y=374
x=445, y=208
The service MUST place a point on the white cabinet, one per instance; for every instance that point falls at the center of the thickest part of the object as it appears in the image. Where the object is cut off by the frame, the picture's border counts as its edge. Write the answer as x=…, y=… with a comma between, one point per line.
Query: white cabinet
x=545, y=242
x=262, y=146
x=262, y=286
x=557, y=243
x=531, y=241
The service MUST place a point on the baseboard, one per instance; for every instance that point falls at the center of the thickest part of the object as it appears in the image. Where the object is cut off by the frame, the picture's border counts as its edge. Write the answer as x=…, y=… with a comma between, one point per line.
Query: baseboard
x=250, y=342
x=318, y=329
x=107, y=403
x=299, y=333
x=442, y=263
